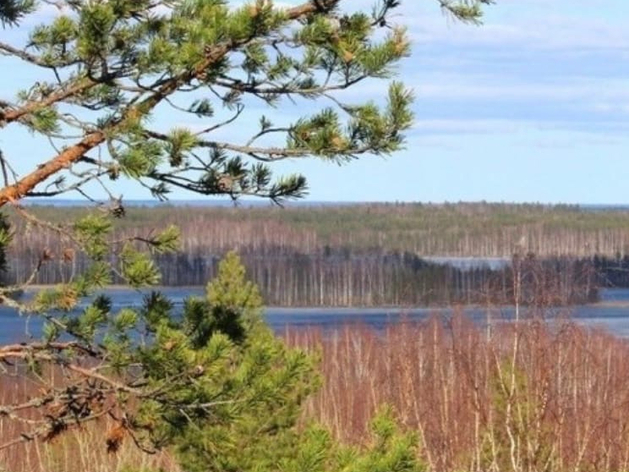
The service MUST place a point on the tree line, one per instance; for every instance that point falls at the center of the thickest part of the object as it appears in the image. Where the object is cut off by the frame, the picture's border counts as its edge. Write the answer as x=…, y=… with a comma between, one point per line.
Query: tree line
x=344, y=277
x=458, y=229
x=356, y=255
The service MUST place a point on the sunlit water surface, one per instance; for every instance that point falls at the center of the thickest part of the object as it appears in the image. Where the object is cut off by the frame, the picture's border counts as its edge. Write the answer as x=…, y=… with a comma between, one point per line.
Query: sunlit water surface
x=612, y=314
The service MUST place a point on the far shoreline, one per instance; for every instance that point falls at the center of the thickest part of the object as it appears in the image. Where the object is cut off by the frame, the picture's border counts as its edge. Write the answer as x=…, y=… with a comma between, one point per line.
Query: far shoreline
x=410, y=308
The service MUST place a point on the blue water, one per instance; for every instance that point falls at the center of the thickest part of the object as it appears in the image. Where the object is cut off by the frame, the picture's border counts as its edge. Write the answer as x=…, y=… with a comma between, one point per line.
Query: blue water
x=612, y=314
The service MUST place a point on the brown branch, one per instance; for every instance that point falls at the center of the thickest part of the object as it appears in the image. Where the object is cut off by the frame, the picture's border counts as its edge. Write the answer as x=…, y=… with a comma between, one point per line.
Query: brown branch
x=61, y=161
x=76, y=152
x=41, y=347
x=31, y=58
x=286, y=89
x=10, y=115
x=48, y=429
x=265, y=154
x=270, y=151
x=92, y=374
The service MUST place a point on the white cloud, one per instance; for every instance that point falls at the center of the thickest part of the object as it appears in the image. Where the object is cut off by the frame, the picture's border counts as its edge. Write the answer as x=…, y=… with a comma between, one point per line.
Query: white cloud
x=568, y=25
x=504, y=126
x=548, y=33
x=612, y=107
x=493, y=87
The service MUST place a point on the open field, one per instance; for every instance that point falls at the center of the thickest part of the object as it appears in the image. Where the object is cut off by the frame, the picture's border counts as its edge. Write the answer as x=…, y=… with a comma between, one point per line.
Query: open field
x=529, y=397
x=520, y=398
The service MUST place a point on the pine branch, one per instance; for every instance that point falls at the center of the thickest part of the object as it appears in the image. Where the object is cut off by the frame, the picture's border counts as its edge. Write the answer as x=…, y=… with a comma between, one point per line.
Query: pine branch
x=9, y=115
x=9, y=50
x=167, y=87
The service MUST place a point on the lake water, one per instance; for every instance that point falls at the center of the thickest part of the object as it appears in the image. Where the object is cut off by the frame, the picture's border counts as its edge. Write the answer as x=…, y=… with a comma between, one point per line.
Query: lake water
x=612, y=313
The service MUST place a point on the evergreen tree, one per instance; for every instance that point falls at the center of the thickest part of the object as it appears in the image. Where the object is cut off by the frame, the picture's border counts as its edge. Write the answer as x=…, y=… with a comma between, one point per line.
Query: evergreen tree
x=108, y=68
x=239, y=410
x=109, y=72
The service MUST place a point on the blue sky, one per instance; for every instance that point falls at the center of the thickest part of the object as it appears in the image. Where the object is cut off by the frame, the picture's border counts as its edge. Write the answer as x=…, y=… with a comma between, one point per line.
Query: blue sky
x=531, y=106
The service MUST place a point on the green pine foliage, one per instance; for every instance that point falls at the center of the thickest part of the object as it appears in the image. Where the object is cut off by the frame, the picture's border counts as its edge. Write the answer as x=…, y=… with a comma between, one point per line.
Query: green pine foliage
x=11, y=11
x=244, y=386
x=216, y=386
x=109, y=68
x=128, y=61
x=236, y=400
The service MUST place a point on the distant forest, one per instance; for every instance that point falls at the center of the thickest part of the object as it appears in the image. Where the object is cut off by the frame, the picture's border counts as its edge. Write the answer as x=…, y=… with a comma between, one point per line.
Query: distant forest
x=461, y=229
x=370, y=254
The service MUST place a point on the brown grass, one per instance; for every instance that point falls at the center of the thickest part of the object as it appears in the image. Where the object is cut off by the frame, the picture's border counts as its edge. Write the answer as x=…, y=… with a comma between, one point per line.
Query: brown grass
x=528, y=397
x=77, y=450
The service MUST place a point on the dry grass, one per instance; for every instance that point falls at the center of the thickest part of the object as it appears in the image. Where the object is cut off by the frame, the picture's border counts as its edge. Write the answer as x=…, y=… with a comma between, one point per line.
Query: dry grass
x=81, y=450
x=526, y=397
x=78, y=450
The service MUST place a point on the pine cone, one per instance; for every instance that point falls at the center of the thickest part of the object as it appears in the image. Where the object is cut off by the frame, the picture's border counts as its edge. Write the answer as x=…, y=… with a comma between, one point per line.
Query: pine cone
x=114, y=439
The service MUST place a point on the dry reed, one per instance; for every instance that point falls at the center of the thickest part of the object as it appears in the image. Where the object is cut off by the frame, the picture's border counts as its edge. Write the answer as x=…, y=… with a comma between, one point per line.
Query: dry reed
x=532, y=396
x=83, y=449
